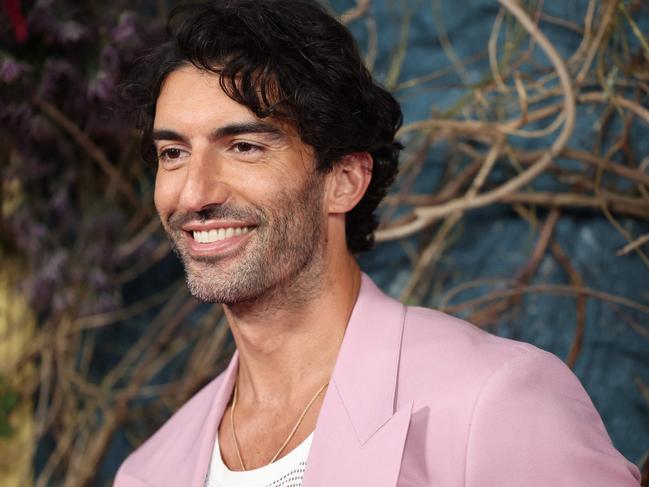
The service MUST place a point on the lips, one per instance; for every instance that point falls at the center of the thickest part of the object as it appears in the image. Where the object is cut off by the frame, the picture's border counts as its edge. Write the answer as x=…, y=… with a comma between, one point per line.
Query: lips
x=215, y=238
x=217, y=234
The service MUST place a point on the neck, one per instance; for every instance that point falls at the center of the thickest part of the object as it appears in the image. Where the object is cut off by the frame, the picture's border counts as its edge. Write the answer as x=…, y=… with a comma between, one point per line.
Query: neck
x=288, y=341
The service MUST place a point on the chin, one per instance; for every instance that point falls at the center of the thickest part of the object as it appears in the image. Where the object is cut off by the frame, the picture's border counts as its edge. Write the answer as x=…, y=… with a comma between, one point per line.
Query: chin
x=225, y=288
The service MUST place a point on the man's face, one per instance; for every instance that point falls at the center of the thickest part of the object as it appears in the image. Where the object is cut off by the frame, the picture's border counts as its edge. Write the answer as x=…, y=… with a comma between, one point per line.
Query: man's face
x=237, y=195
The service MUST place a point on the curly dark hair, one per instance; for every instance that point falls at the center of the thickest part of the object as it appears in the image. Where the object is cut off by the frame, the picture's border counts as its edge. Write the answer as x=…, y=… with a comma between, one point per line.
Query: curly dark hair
x=287, y=59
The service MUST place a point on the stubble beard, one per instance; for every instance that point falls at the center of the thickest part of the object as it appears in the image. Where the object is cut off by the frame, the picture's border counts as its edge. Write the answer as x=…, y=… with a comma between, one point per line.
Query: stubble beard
x=279, y=264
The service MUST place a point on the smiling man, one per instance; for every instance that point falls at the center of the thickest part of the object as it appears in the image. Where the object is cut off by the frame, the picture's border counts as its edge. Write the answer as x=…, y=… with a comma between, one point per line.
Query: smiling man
x=274, y=147
x=238, y=196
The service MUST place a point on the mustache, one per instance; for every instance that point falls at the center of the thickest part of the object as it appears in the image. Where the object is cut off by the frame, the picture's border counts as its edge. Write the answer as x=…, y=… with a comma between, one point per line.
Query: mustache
x=217, y=212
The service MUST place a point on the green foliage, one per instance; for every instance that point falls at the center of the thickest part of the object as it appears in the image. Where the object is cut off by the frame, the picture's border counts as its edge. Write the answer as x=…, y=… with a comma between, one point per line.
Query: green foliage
x=8, y=402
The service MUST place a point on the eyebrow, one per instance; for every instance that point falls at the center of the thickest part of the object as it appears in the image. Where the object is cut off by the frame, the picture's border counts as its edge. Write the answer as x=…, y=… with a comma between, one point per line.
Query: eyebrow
x=256, y=127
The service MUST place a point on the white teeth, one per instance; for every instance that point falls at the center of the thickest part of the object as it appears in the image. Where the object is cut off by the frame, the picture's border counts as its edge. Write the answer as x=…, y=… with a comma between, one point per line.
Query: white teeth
x=215, y=235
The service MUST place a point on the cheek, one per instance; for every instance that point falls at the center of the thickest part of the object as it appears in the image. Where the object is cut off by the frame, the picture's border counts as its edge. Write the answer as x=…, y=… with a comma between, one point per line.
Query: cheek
x=164, y=196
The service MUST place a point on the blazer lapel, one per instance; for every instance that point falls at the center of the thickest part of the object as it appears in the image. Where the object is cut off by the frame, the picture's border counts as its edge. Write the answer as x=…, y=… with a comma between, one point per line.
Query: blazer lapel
x=360, y=436
x=205, y=443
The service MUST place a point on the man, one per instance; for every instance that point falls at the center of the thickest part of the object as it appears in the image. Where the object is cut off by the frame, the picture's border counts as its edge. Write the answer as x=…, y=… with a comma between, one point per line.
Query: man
x=274, y=147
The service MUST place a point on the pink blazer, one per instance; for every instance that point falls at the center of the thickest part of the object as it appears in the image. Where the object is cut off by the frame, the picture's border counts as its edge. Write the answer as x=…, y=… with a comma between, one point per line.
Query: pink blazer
x=417, y=398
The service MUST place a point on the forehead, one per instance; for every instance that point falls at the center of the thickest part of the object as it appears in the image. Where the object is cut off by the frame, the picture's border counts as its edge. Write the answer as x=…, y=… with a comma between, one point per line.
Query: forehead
x=192, y=96
x=188, y=94
x=193, y=106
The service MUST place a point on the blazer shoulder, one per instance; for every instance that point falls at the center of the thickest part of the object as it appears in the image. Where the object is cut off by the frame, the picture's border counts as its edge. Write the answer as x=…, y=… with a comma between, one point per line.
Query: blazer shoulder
x=183, y=427
x=442, y=352
x=506, y=410
x=533, y=420
x=430, y=335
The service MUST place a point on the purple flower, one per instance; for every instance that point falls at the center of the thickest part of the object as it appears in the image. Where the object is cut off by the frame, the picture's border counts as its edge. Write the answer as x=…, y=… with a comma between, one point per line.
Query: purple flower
x=44, y=22
x=62, y=300
x=30, y=235
x=103, y=302
x=125, y=32
x=110, y=58
x=70, y=32
x=60, y=202
x=44, y=283
x=102, y=86
x=11, y=70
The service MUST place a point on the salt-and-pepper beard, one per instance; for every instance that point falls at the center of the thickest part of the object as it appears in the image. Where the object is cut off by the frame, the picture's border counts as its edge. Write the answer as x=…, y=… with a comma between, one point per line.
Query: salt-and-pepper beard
x=286, y=243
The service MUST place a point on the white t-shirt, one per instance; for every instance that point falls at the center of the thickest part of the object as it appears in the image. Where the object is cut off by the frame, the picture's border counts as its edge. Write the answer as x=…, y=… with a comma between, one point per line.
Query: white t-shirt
x=288, y=471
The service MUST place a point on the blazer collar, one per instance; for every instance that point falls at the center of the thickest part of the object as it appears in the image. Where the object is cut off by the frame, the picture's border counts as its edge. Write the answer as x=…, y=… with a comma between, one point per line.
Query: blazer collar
x=360, y=436
x=365, y=374
x=210, y=428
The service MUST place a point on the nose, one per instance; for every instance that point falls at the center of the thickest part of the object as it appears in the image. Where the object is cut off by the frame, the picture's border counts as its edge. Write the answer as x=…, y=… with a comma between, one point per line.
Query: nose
x=203, y=185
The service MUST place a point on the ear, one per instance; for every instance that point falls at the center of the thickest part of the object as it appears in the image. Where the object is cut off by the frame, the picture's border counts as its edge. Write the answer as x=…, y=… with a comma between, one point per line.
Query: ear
x=348, y=181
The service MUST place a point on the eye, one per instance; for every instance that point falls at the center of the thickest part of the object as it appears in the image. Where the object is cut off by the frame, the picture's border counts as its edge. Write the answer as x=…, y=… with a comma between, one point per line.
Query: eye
x=170, y=153
x=172, y=156
x=245, y=147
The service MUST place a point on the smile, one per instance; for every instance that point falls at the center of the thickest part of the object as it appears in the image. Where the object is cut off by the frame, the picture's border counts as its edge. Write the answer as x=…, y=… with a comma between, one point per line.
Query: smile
x=215, y=235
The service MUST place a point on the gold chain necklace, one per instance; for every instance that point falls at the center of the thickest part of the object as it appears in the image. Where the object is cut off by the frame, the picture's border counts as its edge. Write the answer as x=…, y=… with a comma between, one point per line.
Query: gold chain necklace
x=291, y=434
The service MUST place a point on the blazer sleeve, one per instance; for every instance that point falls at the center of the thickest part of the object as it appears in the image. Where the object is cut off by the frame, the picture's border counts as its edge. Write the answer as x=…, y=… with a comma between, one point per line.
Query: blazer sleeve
x=533, y=425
